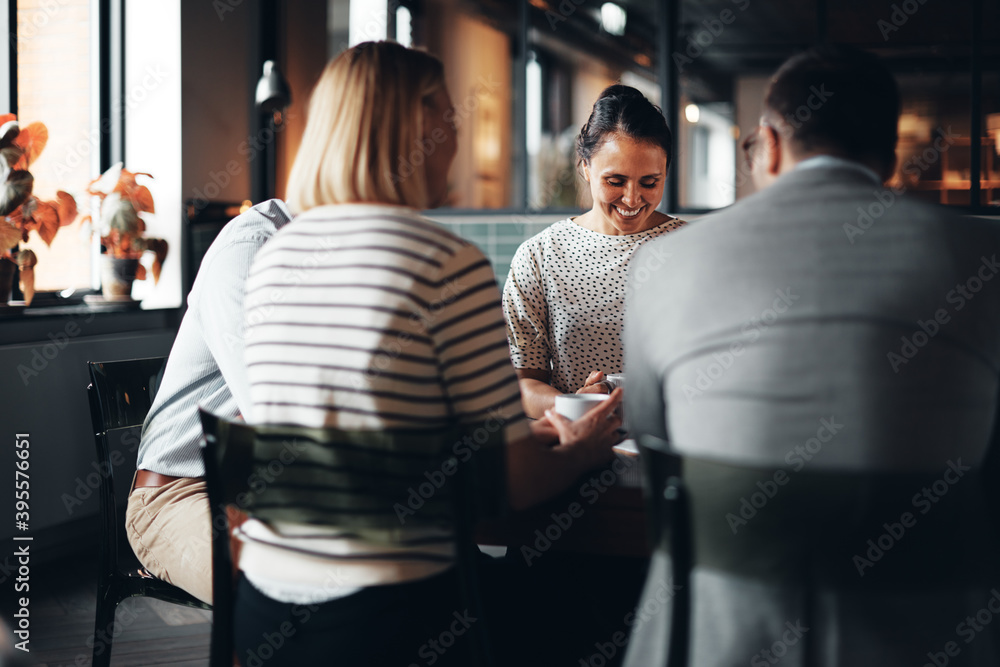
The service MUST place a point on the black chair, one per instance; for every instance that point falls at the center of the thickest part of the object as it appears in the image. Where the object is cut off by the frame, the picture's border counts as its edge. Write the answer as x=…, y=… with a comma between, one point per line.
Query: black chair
x=121, y=393
x=802, y=530
x=668, y=524
x=362, y=502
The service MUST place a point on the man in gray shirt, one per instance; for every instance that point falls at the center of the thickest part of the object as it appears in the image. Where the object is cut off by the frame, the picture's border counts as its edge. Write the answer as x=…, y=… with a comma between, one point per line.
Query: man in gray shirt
x=167, y=520
x=829, y=322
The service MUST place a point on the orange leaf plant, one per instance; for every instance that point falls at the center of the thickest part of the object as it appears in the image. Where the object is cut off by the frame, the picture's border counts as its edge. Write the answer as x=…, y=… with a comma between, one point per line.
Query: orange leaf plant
x=122, y=226
x=20, y=211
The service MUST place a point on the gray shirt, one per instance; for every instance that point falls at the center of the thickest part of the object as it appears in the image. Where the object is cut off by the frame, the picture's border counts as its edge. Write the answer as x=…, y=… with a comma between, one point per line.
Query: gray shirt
x=206, y=366
x=825, y=312
x=825, y=323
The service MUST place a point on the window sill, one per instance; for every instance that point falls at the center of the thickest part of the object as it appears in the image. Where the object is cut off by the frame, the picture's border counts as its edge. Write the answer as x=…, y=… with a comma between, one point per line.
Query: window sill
x=28, y=325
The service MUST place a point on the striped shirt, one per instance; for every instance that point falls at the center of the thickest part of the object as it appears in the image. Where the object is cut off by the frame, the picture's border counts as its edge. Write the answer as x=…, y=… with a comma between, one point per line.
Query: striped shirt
x=368, y=317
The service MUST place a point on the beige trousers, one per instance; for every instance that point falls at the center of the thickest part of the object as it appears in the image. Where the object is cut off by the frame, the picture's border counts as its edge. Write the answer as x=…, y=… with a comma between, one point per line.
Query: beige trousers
x=169, y=528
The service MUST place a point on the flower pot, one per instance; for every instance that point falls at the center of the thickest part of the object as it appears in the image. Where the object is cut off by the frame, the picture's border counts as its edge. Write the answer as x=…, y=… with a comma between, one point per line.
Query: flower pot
x=7, y=269
x=117, y=276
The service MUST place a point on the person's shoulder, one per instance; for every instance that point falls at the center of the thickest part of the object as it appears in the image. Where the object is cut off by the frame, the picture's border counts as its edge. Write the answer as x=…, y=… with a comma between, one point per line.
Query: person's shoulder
x=438, y=232
x=667, y=225
x=557, y=230
x=436, y=241
x=415, y=232
x=246, y=233
x=257, y=224
x=548, y=238
x=405, y=226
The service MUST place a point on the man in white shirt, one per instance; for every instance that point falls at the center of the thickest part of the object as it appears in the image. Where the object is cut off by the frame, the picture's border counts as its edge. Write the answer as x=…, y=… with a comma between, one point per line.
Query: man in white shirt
x=167, y=520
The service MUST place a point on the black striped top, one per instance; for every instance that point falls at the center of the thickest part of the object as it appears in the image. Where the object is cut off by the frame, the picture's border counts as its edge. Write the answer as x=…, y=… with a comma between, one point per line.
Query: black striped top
x=372, y=317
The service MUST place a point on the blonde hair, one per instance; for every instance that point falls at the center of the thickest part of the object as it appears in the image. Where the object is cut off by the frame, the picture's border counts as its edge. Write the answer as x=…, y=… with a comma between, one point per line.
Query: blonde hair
x=365, y=118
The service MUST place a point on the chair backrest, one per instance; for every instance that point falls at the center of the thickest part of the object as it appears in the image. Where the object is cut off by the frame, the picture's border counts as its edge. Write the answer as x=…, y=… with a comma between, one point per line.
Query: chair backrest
x=378, y=484
x=668, y=517
x=777, y=522
x=120, y=395
x=661, y=470
x=375, y=484
x=124, y=390
x=817, y=529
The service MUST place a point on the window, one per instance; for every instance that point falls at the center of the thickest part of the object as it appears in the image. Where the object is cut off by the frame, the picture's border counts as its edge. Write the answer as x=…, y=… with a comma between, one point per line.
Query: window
x=990, y=156
x=727, y=50
x=103, y=99
x=55, y=85
x=526, y=74
x=523, y=77
x=572, y=57
x=477, y=41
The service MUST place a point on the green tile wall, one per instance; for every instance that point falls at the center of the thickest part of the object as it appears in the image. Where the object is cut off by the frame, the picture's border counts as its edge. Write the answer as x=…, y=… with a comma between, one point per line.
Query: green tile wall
x=498, y=240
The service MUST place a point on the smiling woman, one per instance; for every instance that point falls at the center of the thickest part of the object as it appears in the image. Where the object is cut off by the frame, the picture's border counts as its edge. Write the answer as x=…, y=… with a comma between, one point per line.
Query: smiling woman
x=565, y=295
x=624, y=150
x=626, y=181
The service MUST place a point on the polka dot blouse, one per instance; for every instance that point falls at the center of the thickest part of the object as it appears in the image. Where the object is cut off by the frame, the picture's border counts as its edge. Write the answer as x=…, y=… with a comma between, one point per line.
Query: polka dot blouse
x=565, y=300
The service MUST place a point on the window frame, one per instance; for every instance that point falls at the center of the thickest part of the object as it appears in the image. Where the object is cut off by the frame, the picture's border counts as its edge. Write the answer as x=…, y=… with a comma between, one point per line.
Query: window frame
x=108, y=110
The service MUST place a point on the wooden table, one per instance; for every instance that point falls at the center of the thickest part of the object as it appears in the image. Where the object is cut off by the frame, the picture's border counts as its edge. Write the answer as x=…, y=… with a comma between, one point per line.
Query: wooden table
x=603, y=513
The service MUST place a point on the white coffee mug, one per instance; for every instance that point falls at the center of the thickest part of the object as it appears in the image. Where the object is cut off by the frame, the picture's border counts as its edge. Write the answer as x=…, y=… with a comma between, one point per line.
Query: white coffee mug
x=574, y=406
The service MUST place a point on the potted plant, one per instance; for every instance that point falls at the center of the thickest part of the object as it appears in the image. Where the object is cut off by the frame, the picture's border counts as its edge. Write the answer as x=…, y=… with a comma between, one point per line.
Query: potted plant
x=20, y=211
x=123, y=201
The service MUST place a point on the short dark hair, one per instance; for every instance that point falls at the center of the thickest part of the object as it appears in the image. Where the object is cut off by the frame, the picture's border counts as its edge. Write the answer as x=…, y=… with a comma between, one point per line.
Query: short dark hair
x=623, y=109
x=838, y=98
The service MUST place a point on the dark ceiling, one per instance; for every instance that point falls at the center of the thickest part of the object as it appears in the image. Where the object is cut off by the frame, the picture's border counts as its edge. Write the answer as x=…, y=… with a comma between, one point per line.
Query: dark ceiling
x=757, y=35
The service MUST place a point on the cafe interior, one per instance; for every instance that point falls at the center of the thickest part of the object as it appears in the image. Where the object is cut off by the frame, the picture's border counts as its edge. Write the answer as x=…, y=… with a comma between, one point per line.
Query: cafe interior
x=198, y=108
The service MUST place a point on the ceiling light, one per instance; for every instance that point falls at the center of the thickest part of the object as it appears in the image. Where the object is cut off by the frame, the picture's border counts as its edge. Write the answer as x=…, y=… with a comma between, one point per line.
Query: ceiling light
x=692, y=113
x=613, y=18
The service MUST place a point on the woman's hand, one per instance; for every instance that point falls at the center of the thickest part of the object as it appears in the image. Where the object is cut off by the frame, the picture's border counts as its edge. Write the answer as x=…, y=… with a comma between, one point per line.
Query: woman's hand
x=537, y=470
x=537, y=394
x=544, y=431
x=595, y=384
x=592, y=436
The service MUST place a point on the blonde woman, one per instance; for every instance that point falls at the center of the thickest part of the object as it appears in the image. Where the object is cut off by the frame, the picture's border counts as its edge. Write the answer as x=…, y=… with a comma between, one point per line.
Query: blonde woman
x=362, y=314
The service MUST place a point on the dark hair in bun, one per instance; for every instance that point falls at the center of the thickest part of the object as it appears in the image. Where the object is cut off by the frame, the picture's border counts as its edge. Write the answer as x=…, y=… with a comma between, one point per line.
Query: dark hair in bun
x=623, y=109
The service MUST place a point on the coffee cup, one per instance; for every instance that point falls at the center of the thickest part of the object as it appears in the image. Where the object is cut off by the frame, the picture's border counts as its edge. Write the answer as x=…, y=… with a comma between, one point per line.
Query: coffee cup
x=574, y=406
x=615, y=380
